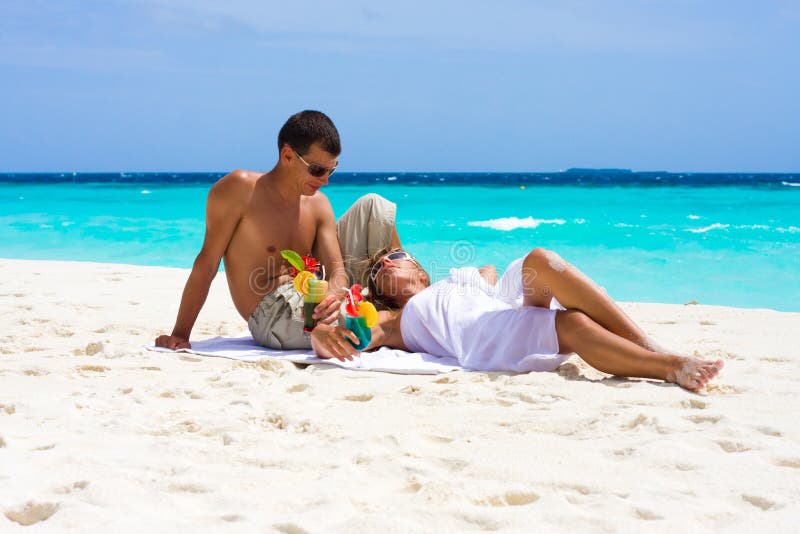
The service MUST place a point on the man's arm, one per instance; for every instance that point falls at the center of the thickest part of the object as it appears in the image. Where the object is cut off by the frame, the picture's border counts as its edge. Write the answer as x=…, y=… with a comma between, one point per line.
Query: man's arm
x=327, y=246
x=223, y=212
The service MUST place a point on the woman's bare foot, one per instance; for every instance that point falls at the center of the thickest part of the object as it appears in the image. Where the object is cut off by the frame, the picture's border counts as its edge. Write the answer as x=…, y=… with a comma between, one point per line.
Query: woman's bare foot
x=693, y=373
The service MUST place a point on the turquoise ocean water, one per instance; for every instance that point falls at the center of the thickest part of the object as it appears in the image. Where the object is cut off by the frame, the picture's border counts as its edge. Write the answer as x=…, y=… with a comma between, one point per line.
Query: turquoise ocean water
x=717, y=239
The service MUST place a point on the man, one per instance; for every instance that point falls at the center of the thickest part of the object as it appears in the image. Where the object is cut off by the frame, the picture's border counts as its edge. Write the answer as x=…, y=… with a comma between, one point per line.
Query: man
x=251, y=217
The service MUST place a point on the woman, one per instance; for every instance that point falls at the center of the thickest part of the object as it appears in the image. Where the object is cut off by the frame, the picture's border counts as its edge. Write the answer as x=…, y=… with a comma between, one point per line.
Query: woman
x=509, y=325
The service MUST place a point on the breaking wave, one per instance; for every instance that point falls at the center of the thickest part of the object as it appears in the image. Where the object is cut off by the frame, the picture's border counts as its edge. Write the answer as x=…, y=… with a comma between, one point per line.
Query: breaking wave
x=513, y=223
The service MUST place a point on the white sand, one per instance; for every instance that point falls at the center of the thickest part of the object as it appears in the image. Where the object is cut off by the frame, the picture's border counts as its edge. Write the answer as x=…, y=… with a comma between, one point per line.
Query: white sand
x=98, y=435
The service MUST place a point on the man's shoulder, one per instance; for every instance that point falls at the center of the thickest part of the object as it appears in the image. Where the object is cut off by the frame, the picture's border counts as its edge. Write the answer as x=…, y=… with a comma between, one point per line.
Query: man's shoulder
x=318, y=198
x=236, y=185
x=241, y=178
x=319, y=203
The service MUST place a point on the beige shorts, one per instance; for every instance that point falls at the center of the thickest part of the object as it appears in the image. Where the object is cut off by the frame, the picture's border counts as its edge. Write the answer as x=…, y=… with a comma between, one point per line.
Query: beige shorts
x=365, y=228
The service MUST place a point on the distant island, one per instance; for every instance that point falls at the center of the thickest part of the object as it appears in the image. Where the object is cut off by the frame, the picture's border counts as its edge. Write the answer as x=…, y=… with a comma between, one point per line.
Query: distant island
x=577, y=170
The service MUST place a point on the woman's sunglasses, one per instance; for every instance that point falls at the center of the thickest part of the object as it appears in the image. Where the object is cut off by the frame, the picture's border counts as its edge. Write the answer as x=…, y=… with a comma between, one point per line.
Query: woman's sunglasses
x=315, y=170
x=399, y=255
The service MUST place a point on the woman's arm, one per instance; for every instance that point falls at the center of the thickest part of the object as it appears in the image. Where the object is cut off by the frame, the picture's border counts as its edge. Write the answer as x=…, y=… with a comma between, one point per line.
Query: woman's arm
x=387, y=332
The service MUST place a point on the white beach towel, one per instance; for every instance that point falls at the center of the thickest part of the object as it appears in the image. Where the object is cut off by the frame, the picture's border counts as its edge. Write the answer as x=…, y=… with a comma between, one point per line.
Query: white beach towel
x=385, y=360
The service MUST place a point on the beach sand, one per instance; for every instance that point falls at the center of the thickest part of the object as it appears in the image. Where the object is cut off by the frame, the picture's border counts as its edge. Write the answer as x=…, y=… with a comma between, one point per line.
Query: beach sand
x=99, y=435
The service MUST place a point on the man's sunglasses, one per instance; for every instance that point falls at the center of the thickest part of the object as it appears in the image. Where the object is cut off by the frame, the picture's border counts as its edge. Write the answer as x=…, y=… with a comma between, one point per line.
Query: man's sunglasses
x=315, y=170
x=399, y=255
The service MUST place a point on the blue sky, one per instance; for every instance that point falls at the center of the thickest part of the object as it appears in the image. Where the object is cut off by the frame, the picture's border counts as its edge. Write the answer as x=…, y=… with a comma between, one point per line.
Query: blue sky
x=204, y=85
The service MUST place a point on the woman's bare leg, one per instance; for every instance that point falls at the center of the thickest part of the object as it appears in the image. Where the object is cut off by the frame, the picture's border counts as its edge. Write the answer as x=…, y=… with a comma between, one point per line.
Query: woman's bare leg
x=546, y=275
x=615, y=355
x=394, y=241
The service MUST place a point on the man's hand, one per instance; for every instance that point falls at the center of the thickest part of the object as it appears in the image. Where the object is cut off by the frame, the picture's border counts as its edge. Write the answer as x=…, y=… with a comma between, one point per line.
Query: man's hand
x=327, y=311
x=332, y=342
x=173, y=342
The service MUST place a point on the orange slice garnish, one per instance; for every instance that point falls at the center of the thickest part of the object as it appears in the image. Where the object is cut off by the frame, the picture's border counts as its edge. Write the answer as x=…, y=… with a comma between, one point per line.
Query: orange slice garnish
x=302, y=280
x=369, y=313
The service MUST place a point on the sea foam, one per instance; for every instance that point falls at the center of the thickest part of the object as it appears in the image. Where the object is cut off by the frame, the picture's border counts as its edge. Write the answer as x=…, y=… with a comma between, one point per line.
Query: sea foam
x=715, y=226
x=791, y=184
x=512, y=223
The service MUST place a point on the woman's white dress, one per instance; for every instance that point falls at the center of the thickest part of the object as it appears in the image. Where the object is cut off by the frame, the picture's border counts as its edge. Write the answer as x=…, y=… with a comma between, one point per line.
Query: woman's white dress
x=484, y=326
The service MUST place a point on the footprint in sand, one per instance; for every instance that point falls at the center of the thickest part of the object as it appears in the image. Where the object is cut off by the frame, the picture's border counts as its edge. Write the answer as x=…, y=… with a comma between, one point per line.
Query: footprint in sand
x=273, y=420
x=187, y=487
x=685, y=467
x=94, y=347
x=717, y=354
x=439, y=439
x=187, y=426
x=410, y=390
x=733, y=446
x=445, y=380
x=298, y=388
x=453, y=464
x=414, y=485
x=696, y=404
x=278, y=367
x=581, y=494
x=80, y=485
x=725, y=389
x=775, y=359
x=759, y=502
x=289, y=528
x=181, y=393
x=511, y=498
x=647, y=515
x=8, y=409
x=640, y=420
x=793, y=463
x=85, y=370
x=515, y=395
x=364, y=397
x=32, y=513
x=770, y=431
x=700, y=419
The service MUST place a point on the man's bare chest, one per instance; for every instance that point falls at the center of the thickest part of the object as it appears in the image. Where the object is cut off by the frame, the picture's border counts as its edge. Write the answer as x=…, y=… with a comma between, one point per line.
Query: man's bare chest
x=271, y=232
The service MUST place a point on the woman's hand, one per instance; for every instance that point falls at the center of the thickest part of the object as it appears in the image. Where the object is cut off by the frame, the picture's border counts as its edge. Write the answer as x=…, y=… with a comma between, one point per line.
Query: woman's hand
x=489, y=273
x=332, y=342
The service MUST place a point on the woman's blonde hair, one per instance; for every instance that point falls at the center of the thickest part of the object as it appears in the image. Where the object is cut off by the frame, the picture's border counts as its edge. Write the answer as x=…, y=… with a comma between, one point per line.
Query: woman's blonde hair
x=385, y=302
